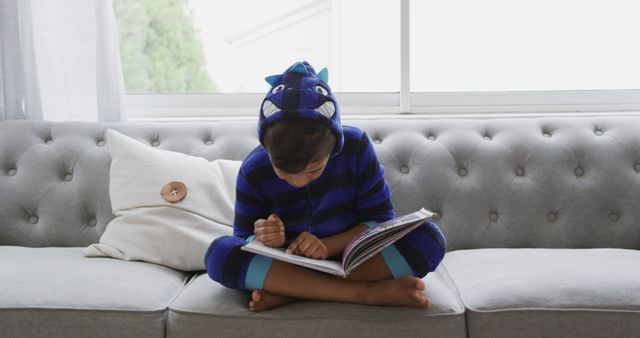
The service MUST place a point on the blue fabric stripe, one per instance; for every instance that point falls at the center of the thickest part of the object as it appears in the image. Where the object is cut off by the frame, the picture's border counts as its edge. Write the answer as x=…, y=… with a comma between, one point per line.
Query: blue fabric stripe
x=256, y=272
x=226, y=263
x=396, y=263
x=424, y=248
x=249, y=210
x=372, y=201
x=371, y=224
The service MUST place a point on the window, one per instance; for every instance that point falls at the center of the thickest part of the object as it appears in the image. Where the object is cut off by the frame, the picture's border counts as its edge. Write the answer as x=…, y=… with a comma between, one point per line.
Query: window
x=199, y=58
x=524, y=45
x=202, y=46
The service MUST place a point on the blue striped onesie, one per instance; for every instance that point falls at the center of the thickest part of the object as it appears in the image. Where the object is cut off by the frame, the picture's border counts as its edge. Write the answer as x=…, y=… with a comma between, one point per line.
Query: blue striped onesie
x=351, y=191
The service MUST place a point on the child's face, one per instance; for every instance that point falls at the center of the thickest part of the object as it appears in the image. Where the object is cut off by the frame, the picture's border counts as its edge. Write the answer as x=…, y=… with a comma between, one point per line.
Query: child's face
x=312, y=171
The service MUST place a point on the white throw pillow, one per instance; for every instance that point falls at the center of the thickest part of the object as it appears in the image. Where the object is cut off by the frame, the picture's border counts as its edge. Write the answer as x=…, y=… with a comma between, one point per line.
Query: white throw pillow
x=148, y=226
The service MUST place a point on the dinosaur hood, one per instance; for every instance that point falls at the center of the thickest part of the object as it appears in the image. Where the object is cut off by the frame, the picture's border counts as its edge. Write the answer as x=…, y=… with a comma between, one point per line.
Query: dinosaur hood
x=301, y=93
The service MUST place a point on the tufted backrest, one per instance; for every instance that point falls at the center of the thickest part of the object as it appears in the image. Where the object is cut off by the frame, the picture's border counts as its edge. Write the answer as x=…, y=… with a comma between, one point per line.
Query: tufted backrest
x=548, y=182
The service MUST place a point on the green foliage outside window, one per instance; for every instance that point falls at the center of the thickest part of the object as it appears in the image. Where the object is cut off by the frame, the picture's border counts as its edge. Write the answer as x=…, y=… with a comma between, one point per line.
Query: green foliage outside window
x=159, y=47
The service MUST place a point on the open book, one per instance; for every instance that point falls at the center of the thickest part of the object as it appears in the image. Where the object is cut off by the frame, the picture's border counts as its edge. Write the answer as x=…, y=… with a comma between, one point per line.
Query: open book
x=361, y=247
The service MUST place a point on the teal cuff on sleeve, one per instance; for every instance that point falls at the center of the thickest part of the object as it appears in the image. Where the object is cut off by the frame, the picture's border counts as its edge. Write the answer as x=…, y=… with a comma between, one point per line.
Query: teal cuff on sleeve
x=396, y=263
x=256, y=272
x=371, y=224
x=251, y=238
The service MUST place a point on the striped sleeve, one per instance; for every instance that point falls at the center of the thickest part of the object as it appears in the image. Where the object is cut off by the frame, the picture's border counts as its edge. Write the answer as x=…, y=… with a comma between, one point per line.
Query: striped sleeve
x=248, y=208
x=373, y=193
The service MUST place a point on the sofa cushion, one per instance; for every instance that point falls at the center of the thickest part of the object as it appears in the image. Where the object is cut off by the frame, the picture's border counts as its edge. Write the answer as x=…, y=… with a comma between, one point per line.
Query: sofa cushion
x=169, y=206
x=548, y=292
x=58, y=292
x=208, y=307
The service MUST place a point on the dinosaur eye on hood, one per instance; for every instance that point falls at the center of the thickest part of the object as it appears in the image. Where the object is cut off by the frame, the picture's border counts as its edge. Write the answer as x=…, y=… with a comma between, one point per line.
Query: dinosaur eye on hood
x=322, y=90
x=277, y=88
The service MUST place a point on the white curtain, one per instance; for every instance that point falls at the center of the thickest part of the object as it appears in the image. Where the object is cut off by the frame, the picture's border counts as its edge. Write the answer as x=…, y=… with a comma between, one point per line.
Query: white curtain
x=59, y=60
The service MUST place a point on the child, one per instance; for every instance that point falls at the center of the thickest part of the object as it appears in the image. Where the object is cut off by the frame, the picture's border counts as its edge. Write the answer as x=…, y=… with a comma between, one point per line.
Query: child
x=310, y=187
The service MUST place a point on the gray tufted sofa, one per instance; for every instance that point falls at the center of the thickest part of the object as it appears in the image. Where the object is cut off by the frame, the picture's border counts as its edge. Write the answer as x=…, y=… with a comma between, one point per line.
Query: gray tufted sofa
x=542, y=218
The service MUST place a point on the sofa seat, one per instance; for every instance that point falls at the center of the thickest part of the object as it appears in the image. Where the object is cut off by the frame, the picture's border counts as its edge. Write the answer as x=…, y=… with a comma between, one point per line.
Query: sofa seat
x=57, y=292
x=548, y=292
x=207, y=308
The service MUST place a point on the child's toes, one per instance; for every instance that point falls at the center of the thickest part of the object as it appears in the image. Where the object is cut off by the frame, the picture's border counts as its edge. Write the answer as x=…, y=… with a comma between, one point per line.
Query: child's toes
x=425, y=302
x=256, y=296
x=420, y=297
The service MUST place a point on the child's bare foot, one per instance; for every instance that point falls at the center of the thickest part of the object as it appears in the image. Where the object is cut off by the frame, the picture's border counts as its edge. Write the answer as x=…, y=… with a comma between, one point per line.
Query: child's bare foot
x=405, y=290
x=262, y=301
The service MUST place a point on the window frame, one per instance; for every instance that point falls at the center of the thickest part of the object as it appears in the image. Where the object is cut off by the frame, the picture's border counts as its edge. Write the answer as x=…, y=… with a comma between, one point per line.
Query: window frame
x=404, y=103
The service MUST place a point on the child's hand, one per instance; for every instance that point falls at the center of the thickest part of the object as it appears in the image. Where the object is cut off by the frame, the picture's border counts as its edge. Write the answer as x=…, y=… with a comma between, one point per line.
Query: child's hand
x=270, y=231
x=308, y=245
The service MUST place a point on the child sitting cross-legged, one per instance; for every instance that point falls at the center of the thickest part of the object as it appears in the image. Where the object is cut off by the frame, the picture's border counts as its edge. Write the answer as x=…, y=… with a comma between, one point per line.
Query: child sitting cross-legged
x=310, y=187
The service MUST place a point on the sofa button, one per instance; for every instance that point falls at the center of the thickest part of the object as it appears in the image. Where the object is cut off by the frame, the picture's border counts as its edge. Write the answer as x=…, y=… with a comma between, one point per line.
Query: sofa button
x=376, y=141
x=520, y=171
x=431, y=137
x=33, y=219
x=93, y=222
x=636, y=167
x=101, y=143
x=551, y=217
x=579, y=171
x=208, y=142
x=487, y=137
x=174, y=192
x=404, y=170
x=12, y=172
x=546, y=134
x=598, y=132
x=155, y=143
x=493, y=216
x=68, y=177
x=49, y=141
x=437, y=215
x=613, y=217
x=462, y=172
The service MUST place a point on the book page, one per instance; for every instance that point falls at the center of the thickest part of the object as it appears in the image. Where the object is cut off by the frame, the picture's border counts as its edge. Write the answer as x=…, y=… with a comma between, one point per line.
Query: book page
x=372, y=241
x=370, y=249
x=327, y=266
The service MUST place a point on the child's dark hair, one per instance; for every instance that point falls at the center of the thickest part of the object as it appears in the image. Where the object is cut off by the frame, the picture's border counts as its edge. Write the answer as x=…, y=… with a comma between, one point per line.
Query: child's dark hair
x=294, y=143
